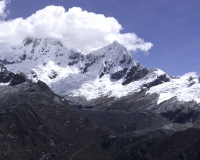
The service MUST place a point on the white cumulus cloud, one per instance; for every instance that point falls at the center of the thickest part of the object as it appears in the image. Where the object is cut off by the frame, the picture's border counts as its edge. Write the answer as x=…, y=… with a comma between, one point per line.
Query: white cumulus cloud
x=3, y=12
x=76, y=28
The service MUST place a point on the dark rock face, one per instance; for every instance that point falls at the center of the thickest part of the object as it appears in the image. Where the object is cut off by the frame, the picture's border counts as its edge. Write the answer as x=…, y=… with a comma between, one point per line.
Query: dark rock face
x=140, y=74
x=161, y=79
x=5, y=78
x=27, y=41
x=18, y=79
x=164, y=78
x=75, y=57
x=129, y=75
x=14, y=79
x=135, y=74
x=118, y=75
x=103, y=72
x=23, y=57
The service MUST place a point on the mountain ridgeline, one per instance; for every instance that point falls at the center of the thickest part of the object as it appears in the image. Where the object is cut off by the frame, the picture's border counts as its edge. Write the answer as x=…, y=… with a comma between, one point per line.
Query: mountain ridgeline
x=113, y=59
x=58, y=103
x=67, y=70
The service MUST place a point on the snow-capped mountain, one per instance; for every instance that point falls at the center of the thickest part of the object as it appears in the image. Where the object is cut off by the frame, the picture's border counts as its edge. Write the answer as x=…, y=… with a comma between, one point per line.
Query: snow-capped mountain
x=50, y=61
x=122, y=103
x=110, y=71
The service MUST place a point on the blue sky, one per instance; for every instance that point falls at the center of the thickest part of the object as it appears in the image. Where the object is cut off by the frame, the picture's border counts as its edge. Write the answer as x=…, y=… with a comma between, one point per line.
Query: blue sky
x=172, y=26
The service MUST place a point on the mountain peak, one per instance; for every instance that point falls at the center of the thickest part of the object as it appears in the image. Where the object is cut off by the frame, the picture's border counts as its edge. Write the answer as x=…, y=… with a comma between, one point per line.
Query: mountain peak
x=115, y=42
x=112, y=49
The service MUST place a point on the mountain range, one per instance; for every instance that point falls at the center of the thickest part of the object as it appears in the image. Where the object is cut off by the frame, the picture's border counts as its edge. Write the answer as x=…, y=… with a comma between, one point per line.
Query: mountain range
x=136, y=109
x=110, y=71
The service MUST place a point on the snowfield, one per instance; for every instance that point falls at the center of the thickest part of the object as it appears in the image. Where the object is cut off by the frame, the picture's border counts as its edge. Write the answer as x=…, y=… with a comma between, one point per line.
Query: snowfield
x=71, y=73
x=99, y=87
x=185, y=88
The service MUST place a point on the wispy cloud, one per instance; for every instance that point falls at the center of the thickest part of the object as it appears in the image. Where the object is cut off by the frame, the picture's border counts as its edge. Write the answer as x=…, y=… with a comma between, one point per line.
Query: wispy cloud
x=3, y=11
x=76, y=28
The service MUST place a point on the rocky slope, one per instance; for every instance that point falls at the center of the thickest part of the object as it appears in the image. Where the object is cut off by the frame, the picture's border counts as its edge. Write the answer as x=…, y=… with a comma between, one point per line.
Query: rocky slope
x=36, y=123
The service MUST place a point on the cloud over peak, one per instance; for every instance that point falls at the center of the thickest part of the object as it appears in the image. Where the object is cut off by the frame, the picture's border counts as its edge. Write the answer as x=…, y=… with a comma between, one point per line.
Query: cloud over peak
x=76, y=28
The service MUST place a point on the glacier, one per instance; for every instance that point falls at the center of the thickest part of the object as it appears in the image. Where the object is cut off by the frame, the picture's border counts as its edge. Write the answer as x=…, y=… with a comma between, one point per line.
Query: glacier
x=110, y=71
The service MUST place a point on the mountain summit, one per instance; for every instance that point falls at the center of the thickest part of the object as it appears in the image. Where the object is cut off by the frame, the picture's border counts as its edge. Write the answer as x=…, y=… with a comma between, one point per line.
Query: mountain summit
x=110, y=71
x=48, y=60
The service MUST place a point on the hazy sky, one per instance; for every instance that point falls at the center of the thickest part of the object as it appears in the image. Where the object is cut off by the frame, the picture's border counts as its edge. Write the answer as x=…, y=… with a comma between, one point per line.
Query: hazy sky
x=167, y=33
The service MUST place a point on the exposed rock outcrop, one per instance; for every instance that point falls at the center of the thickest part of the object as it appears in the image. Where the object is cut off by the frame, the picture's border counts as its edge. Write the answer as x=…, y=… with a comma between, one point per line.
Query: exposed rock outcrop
x=135, y=73
x=12, y=78
x=160, y=79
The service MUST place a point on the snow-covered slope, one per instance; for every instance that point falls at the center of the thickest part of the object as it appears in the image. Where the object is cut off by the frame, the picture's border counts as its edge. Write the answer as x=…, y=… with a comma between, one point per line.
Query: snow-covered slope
x=67, y=70
x=112, y=58
x=110, y=71
x=44, y=59
x=104, y=87
x=185, y=88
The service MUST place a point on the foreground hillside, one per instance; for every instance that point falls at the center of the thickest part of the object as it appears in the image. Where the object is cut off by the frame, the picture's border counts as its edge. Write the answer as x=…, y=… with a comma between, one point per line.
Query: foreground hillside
x=35, y=123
